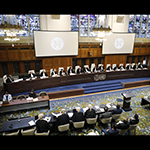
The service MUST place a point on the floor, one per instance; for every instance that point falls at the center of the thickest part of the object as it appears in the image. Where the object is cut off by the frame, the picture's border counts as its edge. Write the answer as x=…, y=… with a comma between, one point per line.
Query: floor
x=56, y=105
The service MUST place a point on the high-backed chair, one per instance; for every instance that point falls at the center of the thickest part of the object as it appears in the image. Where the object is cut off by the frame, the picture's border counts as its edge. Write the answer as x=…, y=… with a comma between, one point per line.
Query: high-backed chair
x=63, y=128
x=11, y=134
x=116, y=116
x=76, y=67
x=43, y=93
x=106, y=120
x=42, y=134
x=28, y=132
x=92, y=66
x=32, y=71
x=42, y=71
x=122, y=131
x=21, y=97
x=79, y=124
x=133, y=127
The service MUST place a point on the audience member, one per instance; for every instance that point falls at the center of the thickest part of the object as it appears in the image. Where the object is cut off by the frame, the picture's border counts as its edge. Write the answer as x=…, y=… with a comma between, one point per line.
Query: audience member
x=7, y=96
x=117, y=110
x=32, y=94
x=42, y=125
x=135, y=120
x=123, y=125
x=90, y=113
x=106, y=114
x=77, y=115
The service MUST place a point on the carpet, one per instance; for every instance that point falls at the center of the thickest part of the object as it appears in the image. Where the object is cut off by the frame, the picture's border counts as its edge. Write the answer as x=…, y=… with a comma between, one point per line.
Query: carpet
x=143, y=127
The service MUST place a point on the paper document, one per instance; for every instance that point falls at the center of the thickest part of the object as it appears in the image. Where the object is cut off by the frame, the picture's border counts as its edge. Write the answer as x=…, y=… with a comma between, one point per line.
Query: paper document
x=85, y=109
x=35, y=99
x=97, y=107
x=31, y=123
x=47, y=119
x=102, y=109
x=108, y=105
x=57, y=115
x=70, y=114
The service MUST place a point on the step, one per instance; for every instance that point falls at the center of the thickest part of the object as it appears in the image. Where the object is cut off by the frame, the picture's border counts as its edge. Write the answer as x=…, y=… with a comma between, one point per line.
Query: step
x=101, y=90
x=102, y=86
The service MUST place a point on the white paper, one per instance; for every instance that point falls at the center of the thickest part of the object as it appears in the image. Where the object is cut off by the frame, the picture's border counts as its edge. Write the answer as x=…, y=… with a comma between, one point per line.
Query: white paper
x=35, y=99
x=31, y=123
x=70, y=114
x=47, y=119
x=57, y=115
x=108, y=105
x=29, y=98
x=97, y=107
x=85, y=109
x=102, y=109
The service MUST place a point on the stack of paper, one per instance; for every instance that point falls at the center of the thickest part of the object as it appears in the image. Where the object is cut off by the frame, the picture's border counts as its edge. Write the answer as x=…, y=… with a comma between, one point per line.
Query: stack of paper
x=31, y=123
x=35, y=99
x=57, y=115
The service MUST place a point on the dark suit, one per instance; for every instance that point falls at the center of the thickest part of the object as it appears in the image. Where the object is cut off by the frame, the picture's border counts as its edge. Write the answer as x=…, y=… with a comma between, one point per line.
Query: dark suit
x=9, y=80
x=111, y=132
x=94, y=69
x=33, y=95
x=69, y=71
x=29, y=75
x=42, y=74
x=133, y=121
x=122, y=125
x=53, y=73
x=101, y=68
x=79, y=71
x=128, y=67
x=77, y=117
x=85, y=70
x=61, y=73
x=135, y=67
x=106, y=115
x=42, y=126
x=117, y=111
x=62, y=119
x=108, y=68
x=121, y=67
x=90, y=114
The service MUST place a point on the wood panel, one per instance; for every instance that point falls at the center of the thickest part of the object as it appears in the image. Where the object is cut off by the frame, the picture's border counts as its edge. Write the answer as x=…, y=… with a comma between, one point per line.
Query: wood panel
x=13, y=55
x=25, y=55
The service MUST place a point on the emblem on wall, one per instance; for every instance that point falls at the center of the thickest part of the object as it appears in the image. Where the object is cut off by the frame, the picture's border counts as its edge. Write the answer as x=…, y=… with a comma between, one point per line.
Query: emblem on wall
x=57, y=43
x=98, y=77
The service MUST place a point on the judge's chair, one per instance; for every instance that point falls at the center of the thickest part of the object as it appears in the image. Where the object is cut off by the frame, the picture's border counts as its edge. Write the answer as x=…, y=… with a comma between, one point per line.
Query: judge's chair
x=32, y=71
x=76, y=67
x=92, y=66
x=21, y=97
x=42, y=134
x=43, y=93
x=63, y=128
x=42, y=71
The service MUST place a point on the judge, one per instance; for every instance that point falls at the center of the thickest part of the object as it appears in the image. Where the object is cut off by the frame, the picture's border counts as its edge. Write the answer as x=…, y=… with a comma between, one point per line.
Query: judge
x=86, y=70
x=109, y=68
x=43, y=74
x=94, y=70
x=70, y=70
x=31, y=75
x=135, y=67
x=129, y=67
x=62, y=72
x=54, y=73
x=121, y=67
x=101, y=68
x=79, y=71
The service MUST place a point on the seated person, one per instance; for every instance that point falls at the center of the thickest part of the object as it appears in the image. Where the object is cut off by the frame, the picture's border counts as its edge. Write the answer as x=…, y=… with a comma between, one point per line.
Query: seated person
x=77, y=115
x=94, y=70
x=106, y=114
x=101, y=68
x=121, y=67
x=90, y=113
x=79, y=71
x=135, y=120
x=42, y=125
x=115, y=68
x=53, y=73
x=123, y=125
x=32, y=94
x=9, y=79
x=86, y=70
x=31, y=75
x=43, y=74
x=135, y=66
x=109, y=68
x=129, y=67
x=62, y=119
x=111, y=131
x=140, y=66
x=62, y=72
x=7, y=96
x=70, y=70
x=117, y=110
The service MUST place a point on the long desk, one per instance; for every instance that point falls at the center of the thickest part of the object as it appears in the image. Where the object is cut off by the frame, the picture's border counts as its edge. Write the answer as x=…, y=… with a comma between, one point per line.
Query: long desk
x=25, y=104
x=24, y=86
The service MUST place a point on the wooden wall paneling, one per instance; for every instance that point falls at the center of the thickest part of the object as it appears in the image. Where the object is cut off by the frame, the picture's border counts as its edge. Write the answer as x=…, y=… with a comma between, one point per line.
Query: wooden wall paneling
x=32, y=65
x=88, y=62
x=1, y=72
x=3, y=55
x=96, y=62
x=13, y=55
x=25, y=55
x=21, y=65
x=10, y=68
x=79, y=62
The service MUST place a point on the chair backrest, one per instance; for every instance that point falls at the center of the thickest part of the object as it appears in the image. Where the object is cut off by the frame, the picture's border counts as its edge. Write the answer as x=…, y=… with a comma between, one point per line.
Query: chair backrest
x=32, y=71
x=42, y=134
x=116, y=116
x=42, y=70
x=113, y=65
x=63, y=128
x=120, y=64
x=79, y=124
x=43, y=93
x=99, y=65
x=21, y=96
x=132, y=64
x=4, y=78
x=86, y=66
x=28, y=132
x=11, y=134
x=92, y=66
x=76, y=67
x=132, y=127
x=106, y=120
x=91, y=120
x=107, y=65
x=122, y=131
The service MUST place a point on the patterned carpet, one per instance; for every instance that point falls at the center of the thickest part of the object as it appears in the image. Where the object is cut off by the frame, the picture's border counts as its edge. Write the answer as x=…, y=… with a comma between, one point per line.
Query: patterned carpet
x=143, y=127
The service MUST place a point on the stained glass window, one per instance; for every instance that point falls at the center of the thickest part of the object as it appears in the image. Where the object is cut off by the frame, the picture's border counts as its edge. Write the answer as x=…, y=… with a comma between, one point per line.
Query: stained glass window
x=74, y=22
x=148, y=28
x=92, y=23
x=83, y=25
x=137, y=25
x=131, y=23
x=143, y=26
x=34, y=23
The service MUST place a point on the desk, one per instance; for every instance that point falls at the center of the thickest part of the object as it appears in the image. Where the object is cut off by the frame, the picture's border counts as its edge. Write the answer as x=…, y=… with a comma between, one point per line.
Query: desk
x=25, y=104
x=24, y=86
x=145, y=100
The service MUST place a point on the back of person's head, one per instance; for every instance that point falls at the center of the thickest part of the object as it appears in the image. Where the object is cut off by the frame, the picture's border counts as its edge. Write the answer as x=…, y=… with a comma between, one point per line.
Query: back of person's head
x=40, y=116
x=125, y=120
x=90, y=106
x=113, y=125
x=118, y=106
x=63, y=111
x=106, y=109
x=78, y=109
x=136, y=116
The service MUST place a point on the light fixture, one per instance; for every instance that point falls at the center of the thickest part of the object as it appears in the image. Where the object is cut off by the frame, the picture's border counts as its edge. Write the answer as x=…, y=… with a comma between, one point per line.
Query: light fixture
x=102, y=30
x=11, y=28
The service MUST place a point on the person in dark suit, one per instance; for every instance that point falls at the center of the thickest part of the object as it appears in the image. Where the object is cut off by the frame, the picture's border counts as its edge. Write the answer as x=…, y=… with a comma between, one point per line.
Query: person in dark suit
x=62, y=119
x=129, y=67
x=101, y=68
x=79, y=71
x=117, y=110
x=32, y=94
x=43, y=74
x=62, y=72
x=90, y=113
x=86, y=70
x=70, y=70
x=123, y=125
x=111, y=131
x=42, y=125
x=106, y=114
x=31, y=75
x=77, y=115
x=135, y=120
x=9, y=79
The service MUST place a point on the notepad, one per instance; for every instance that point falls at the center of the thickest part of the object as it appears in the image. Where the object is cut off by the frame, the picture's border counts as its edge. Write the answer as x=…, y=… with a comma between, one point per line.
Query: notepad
x=31, y=123
x=57, y=115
